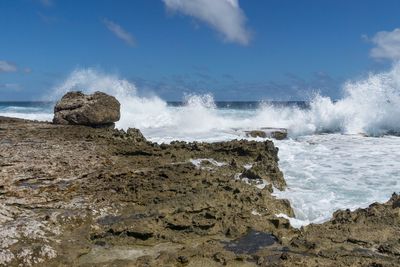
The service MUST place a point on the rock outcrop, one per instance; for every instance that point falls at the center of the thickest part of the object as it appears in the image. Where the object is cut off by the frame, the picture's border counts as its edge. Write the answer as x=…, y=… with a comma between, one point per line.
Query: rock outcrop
x=267, y=132
x=262, y=170
x=79, y=196
x=72, y=195
x=95, y=110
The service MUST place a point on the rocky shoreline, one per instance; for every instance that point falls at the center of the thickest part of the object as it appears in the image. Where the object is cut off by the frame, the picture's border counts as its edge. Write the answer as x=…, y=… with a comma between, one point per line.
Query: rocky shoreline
x=73, y=195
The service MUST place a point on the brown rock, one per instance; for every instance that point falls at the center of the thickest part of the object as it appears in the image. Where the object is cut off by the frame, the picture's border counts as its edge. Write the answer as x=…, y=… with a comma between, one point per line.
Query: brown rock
x=267, y=132
x=82, y=196
x=135, y=134
x=264, y=170
x=96, y=110
x=78, y=196
x=256, y=133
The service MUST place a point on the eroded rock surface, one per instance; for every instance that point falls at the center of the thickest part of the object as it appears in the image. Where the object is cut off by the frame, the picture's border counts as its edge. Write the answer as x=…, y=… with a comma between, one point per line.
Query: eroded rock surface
x=275, y=133
x=80, y=196
x=76, y=195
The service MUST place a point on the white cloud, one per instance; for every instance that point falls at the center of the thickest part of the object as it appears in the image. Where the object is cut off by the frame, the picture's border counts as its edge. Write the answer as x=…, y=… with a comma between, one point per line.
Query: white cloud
x=7, y=66
x=225, y=16
x=387, y=45
x=119, y=32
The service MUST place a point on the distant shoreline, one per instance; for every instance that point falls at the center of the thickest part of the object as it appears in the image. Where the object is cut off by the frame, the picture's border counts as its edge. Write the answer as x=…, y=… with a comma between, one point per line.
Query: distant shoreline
x=218, y=104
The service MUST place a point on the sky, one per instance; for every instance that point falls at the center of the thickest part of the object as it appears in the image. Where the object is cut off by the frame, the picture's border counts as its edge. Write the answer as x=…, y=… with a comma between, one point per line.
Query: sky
x=233, y=49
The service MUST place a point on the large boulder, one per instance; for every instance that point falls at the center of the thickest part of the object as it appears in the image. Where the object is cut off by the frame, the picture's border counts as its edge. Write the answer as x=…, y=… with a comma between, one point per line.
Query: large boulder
x=95, y=110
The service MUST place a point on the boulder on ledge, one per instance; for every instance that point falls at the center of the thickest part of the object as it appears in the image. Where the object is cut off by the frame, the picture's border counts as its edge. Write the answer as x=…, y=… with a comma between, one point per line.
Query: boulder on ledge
x=95, y=110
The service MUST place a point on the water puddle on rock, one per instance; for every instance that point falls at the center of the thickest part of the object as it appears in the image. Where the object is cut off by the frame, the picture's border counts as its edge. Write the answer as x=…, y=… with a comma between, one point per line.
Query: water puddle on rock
x=250, y=243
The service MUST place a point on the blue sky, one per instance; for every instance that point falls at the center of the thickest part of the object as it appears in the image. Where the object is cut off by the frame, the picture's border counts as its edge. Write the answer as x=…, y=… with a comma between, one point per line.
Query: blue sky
x=236, y=50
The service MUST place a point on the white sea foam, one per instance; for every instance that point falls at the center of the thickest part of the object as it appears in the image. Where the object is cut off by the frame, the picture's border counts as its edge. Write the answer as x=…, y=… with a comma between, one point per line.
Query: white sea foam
x=369, y=106
x=334, y=171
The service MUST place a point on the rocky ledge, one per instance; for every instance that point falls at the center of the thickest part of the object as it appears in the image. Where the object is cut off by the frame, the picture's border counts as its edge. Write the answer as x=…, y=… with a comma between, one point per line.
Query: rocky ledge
x=72, y=195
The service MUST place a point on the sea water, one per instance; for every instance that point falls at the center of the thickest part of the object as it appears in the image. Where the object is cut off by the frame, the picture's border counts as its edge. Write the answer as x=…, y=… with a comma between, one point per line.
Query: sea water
x=339, y=154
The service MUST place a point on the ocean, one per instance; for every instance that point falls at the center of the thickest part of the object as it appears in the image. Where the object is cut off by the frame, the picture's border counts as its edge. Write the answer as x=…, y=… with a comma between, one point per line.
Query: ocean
x=341, y=154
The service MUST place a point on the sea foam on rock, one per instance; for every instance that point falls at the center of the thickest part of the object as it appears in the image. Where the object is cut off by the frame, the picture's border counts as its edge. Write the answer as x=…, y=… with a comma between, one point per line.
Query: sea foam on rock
x=95, y=110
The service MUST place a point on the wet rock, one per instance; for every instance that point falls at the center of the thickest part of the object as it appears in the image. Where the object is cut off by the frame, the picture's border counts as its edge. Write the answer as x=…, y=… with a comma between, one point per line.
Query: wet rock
x=251, y=242
x=267, y=132
x=261, y=170
x=256, y=133
x=369, y=237
x=95, y=110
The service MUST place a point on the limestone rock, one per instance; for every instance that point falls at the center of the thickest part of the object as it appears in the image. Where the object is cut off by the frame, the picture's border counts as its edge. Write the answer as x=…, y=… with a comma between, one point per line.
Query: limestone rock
x=96, y=110
x=135, y=134
x=267, y=132
x=78, y=196
x=263, y=170
x=256, y=133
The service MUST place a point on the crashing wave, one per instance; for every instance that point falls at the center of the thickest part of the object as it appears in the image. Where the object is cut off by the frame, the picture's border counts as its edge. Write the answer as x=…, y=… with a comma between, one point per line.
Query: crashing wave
x=370, y=106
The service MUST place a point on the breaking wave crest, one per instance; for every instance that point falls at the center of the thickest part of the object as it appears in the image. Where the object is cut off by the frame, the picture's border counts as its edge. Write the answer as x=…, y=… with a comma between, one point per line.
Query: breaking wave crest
x=369, y=106
x=198, y=114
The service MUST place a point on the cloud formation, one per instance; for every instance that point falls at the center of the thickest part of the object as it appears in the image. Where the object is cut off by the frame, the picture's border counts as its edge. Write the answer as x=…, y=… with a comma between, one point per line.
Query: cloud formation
x=387, y=45
x=7, y=66
x=118, y=31
x=225, y=16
